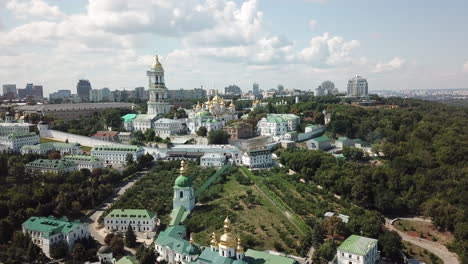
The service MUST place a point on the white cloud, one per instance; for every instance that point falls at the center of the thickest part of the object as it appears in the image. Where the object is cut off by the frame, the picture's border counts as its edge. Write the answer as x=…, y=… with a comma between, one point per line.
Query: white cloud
x=393, y=65
x=465, y=66
x=313, y=24
x=34, y=9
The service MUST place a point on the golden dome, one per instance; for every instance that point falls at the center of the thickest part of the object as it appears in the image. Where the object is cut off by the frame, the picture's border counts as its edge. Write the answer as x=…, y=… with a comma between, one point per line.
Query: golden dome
x=232, y=104
x=223, y=103
x=217, y=99
x=240, y=248
x=198, y=105
x=182, y=167
x=227, y=240
x=156, y=63
x=212, y=107
x=214, y=241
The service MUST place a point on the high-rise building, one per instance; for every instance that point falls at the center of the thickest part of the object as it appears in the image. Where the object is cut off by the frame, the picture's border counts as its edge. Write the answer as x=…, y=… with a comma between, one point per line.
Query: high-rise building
x=358, y=86
x=280, y=89
x=37, y=92
x=232, y=89
x=60, y=94
x=255, y=89
x=82, y=89
x=9, y=91
x=326, y=88
x=158, y=103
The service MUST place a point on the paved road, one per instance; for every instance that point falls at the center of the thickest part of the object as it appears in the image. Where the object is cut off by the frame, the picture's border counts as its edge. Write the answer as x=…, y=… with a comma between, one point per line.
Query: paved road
x=98, y=234
x=437, y=249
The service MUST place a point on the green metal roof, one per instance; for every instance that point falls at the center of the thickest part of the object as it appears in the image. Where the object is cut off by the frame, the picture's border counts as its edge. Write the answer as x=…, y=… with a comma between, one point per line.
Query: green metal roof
x=321, y=139
x=21, y=135
x=131, y=213
x=341, y=139
x=183, y=182
x=172, y=237
x=128, y=260
x=128, y=117
x=357, y=245
x=50, y=145
x=50, y=225
x=259, y=257
x=178, y=215
x=80, y=158
x=117, y=148
x=213, y=257
x=51, y=164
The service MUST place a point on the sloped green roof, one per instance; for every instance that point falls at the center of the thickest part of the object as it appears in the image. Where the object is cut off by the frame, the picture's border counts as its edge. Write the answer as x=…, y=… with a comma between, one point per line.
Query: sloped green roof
x=212, y=257
x=21, y=135
x=50, y=225
x=131, y=213
x=80, y=158
x=341, y=139
x=128, y=117
x=172, y=237
x=117, y=148
x=357, y=245
x=183, y=181
x=51, y=145
x=52, y=164
x=128, y=260
x=321, y=139
x=259, y=257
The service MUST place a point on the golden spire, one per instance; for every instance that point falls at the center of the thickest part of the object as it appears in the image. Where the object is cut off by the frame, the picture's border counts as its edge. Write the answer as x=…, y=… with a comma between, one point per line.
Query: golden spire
x=232, y=104
x=227, y=240
x=198, y=105
x=157, y=64
x=182, y=167
x=214, y=241
x=191, y=239
x=240, y=248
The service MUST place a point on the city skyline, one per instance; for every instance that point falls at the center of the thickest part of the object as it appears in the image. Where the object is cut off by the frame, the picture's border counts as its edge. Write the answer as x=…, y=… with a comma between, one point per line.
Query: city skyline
x=217, y=43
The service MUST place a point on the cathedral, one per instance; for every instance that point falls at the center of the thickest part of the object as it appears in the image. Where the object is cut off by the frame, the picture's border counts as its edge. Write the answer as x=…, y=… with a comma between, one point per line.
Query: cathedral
x=173, y=247
x=214, y=114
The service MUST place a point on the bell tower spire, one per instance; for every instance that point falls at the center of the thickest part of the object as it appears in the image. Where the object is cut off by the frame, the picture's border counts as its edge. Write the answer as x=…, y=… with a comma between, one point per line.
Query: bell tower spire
x=158, y=103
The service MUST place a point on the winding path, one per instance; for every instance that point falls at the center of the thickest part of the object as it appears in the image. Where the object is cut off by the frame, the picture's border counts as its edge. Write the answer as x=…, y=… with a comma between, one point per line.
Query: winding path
x=437, y=249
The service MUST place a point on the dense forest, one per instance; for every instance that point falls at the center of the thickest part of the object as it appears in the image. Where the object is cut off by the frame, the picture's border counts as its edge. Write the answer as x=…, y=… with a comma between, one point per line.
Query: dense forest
x=424, y=167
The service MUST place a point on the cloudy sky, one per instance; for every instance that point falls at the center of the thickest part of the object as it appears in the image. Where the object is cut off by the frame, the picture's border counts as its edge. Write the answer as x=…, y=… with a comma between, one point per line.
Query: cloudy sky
x=397, y=44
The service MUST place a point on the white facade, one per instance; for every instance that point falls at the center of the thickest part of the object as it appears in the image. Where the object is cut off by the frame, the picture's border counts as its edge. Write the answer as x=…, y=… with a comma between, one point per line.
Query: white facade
x=85, y=162
x=358, y=86
x=44, y=148
x=143, y=122
x=15, y=128
x=212, y=160
x=116, y=154
x=358, y=250
x=158, y=103
x=165, y=127
x=276, y=125
x=260, y=158
x=140, y=220
x=232, y=153
x=14, y=142
x=46, y=231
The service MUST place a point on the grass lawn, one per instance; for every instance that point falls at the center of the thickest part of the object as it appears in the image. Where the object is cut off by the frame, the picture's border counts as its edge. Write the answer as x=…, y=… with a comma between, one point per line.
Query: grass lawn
x=424, y=230
x=419, y=253
x=260, y=224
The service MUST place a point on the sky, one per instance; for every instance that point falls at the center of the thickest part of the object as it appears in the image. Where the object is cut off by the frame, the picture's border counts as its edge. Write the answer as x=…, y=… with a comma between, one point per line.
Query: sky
x=398, y=44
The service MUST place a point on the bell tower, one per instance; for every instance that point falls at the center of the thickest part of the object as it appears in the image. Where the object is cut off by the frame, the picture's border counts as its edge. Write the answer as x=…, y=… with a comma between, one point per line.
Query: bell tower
x=158, y=103
x=184, y=194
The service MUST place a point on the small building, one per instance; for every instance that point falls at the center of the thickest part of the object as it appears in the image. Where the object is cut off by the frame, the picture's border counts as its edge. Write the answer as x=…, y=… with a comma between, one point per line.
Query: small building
x=358, y=249
x=344, y=218
x=15, y=128
x=109, y=136
x=127, y=121
x=143, y=122
x=322, y=143
x=288, y=144
x=166, y=127
x=46, y=231
x=276, y=125
x=141, y=220
x=44, y=148
x=84, y=161
x=258, y=158
x=125, y=137
x=216, y=160
x=15, y=141
x=239, y=130
x=50, y=166
x=342, y=142
x=183, y=155
x=116, y=154
x=105, y=255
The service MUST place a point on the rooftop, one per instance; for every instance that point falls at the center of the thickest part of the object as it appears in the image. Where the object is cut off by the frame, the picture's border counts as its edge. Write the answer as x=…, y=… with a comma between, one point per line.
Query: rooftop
x=128, y=117
x=117, y=148
x=51, y=225
x=259, y=257
x=50, y=145
x=131, y=213
x=321, y=139
x=23, y=135
x=357, y=245
x=106, y=134
x=80, y=158
x=51, y=164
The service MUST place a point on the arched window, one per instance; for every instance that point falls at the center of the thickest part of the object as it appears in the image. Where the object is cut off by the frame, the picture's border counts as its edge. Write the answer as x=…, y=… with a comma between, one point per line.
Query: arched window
x=181, y=194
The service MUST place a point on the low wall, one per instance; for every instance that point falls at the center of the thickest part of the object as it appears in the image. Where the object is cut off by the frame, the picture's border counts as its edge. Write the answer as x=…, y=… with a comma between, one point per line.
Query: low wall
x=91, y=142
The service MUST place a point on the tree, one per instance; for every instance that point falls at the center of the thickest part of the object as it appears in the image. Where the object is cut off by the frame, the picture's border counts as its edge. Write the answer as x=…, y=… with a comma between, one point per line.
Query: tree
x=79, y=252
x=129, y=159
x=138, y=135
x=59, y=250
x=54, y=155
x=353, y=154
x=202, y=131
x=391, y=245
x=109, y=238
x=334, y=226
x=6, y=231
x=117, y=245
x=325, y=252
x=130, y=237
x=146, y=255
x=218, y=137
x=150, y=134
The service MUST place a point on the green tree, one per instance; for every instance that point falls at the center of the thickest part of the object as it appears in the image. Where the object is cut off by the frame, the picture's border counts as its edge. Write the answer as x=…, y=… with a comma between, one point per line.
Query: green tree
x=117, y=245
x=6, y=231
x=218, y=137
x=130, y=237
x=334, y=226
x=129, y=159
x=79, y=252
x=202, y=131
x=138, y=135
x=108, y=238
x=391, y=245
x=59, y=250
x=149, y=135
x=353, y=154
